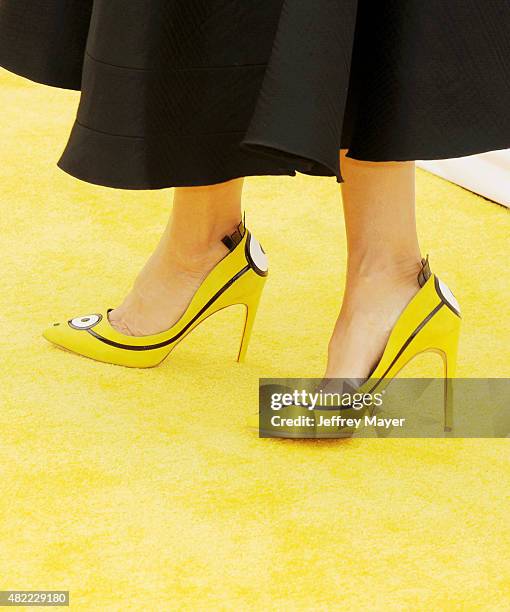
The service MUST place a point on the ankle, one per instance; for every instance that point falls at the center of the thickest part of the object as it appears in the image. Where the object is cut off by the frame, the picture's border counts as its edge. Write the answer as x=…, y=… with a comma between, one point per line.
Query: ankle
x=385, y=270
x=379, y=292
x=202, y=236
x=195, y=259
x=196, y=249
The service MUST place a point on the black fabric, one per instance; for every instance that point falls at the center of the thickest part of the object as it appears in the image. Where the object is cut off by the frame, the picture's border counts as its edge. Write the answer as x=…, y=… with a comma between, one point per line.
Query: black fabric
x=194, y=92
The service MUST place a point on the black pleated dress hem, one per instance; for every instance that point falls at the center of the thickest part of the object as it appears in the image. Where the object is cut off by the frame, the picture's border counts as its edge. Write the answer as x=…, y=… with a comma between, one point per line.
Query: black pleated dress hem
x=105, y=159
x=197, y=92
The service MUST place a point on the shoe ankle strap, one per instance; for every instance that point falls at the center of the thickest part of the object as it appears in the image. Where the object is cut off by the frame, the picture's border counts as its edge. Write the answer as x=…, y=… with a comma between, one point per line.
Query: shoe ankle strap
x=424, y=274
x=232, y=240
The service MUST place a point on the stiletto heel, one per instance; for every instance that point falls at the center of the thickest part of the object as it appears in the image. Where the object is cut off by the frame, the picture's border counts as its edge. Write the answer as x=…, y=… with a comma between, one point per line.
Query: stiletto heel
x=449, y=351
x=251, y=312
x=448, y=405
x=238, y=278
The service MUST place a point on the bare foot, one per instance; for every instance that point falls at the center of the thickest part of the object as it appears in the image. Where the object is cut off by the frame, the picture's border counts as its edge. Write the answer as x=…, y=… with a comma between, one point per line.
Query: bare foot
x=165, y=287
x=372, y=304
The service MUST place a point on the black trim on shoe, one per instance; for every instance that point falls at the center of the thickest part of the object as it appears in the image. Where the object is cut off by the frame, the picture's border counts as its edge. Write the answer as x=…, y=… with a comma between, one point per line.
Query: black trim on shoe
x=150, y=347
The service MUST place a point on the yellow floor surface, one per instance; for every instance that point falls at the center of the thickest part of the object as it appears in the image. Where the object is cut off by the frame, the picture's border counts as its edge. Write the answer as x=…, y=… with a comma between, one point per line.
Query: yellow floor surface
x=142, y=489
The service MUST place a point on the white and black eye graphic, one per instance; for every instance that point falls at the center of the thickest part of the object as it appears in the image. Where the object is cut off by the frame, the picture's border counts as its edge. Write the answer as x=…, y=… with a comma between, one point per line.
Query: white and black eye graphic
x=85, y=322
x=257, y=256
x=448, y=296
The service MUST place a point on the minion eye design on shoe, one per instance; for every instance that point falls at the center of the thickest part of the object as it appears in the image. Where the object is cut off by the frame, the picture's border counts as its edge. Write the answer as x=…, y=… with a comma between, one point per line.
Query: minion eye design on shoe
x=447, y=296
x=257, y=256
x=85, y=322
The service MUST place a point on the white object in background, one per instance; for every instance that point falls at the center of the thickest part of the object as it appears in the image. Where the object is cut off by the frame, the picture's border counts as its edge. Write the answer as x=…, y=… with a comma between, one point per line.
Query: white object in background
x=487, y=174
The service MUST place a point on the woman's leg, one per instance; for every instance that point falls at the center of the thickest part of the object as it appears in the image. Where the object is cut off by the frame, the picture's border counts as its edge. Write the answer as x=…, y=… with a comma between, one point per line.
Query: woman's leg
x=382, y=263
x=188, y=250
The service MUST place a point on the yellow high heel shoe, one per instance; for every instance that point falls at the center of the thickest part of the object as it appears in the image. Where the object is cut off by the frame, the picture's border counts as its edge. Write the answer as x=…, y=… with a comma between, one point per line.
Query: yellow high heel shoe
x=430, y=322
x=238, y=278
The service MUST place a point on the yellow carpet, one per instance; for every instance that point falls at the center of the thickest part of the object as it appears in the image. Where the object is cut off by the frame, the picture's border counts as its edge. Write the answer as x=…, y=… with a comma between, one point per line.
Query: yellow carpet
x=143, y=489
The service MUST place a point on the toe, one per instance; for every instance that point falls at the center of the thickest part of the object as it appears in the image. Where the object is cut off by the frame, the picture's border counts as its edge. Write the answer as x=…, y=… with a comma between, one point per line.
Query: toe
x=53, y=333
